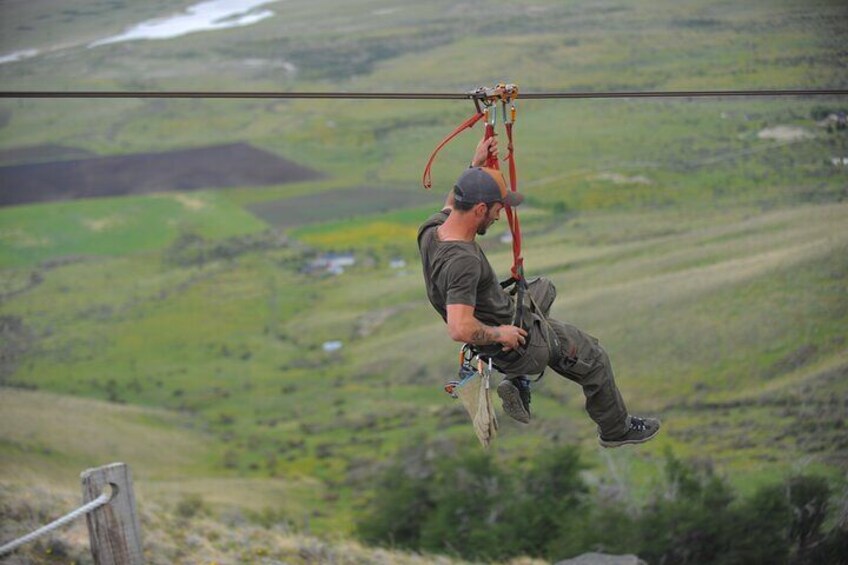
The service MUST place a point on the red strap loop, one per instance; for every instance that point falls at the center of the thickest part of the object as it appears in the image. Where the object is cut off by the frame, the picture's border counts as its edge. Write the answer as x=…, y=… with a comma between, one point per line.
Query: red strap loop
x=427, y=179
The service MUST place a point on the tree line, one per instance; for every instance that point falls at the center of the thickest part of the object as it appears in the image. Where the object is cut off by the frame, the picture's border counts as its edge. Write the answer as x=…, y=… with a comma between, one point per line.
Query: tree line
x=472, y=506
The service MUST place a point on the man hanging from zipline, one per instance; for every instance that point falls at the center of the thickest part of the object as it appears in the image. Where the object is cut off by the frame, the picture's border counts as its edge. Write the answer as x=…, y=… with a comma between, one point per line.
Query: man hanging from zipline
x=464, y=290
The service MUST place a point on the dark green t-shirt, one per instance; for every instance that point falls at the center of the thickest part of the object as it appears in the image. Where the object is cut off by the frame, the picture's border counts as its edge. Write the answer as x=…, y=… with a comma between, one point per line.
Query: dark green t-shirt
x=457, y=272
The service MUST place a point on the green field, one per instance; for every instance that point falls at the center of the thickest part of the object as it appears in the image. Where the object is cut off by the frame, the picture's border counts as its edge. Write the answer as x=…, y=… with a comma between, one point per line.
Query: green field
x=703, y=241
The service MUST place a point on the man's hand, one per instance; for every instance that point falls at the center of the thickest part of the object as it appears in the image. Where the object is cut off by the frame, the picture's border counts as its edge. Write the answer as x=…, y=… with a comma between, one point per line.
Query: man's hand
x=511, y=337
x=484, y=149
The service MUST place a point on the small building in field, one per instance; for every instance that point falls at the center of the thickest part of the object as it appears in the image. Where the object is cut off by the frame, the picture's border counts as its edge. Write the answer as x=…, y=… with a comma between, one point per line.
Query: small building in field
x=332, y=346
x=330, y=264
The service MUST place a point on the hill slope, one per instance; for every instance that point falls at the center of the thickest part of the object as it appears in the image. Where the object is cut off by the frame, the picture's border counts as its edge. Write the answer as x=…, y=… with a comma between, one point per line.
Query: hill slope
x=735, y=322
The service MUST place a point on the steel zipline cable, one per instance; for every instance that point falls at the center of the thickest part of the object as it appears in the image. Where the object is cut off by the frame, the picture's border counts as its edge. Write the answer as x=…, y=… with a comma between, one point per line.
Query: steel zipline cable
x=80, y=94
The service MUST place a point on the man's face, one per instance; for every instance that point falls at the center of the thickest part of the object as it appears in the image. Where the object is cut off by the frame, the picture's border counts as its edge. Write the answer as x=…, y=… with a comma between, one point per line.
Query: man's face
x=489, y=217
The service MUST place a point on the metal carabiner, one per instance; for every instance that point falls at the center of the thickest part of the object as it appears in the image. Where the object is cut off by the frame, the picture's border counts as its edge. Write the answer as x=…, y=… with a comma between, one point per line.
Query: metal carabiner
x=478, y=96
x=466, y=354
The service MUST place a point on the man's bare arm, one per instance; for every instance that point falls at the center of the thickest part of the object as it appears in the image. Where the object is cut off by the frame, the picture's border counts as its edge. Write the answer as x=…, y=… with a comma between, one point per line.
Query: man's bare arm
x=465, y=328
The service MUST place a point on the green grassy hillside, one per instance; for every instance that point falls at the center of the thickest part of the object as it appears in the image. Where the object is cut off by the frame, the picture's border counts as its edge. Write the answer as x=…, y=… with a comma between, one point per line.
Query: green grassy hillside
x=178, y=505
x=731, y=329
x=702, y=241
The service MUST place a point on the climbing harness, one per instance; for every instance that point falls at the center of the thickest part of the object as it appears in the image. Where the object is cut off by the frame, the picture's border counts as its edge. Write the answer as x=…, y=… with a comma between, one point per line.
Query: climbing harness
x=467, y=371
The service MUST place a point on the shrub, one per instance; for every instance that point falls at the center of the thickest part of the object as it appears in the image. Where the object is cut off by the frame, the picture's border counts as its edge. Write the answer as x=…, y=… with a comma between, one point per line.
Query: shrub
x=758, y=529
x=402, y=502
x=808, y=497
x=189, y=506
x=477, y=508
x=552, y=505
x=472, y=498
x=688, y=523
x=471, y=506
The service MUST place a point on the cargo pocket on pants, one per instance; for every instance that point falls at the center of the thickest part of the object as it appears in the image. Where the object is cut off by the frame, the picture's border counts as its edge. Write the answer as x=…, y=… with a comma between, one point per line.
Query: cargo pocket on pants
x=579, y=366
x=580, y=353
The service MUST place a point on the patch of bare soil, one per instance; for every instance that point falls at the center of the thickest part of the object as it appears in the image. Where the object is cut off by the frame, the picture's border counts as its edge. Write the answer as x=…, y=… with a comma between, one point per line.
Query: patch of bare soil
x=217, y=166
x=42, y=153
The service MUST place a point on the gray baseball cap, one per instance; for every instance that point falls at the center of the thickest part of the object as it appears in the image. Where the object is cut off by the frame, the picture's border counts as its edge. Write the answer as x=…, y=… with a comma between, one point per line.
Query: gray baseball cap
x=482, y=184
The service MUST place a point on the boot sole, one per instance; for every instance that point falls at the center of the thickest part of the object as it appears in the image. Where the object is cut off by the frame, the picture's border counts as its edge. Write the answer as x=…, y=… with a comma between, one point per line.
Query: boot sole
x=512, y=405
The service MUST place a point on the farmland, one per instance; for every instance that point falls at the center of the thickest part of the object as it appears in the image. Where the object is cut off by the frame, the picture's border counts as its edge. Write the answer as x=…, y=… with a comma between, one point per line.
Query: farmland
x=186, y=170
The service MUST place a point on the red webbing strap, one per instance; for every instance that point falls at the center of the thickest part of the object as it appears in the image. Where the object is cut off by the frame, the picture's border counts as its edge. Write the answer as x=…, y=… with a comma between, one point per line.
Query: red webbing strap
x=512, y=215
x=491, y=159
x=427, y=180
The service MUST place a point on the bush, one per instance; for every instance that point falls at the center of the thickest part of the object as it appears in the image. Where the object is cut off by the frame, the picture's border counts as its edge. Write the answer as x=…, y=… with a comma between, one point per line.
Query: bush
x=469, y=505
x=808, y=497
x=758, y=529
x=475, y=507
x=819, y=112
x=472, y=498
x=688, y=523
x=552, y=505
x=401, y=505
x=189, y=506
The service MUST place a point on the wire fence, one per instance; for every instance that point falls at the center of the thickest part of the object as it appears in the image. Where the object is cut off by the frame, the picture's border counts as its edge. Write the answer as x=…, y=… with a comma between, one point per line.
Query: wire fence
x=114, y=533
x=66, y=519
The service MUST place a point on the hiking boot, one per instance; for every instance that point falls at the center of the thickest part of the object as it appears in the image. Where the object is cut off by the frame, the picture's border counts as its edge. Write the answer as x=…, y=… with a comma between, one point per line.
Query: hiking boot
x=640, y=431
x=523, y=385
x=515, y=395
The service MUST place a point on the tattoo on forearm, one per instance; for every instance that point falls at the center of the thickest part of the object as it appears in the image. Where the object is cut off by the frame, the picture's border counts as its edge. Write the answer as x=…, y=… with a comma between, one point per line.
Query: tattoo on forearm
x=485, y=335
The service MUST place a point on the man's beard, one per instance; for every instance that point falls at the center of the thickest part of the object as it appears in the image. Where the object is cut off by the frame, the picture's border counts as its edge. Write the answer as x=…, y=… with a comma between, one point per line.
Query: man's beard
x=483, y=227
x=485, y=224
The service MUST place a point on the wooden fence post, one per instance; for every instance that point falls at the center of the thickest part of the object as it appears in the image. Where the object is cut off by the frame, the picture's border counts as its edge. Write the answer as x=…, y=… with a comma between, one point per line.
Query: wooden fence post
x=114, y=528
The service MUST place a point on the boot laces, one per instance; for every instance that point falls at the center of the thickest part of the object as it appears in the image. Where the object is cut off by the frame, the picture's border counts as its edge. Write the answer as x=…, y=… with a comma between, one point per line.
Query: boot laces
x=638, y=424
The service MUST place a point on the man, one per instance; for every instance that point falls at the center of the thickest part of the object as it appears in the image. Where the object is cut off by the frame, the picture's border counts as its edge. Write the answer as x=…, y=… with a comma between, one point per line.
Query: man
x=464, y=290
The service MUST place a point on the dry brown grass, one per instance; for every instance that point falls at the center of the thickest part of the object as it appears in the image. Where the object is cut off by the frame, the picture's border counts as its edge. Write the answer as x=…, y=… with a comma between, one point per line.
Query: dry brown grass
x=173, y=537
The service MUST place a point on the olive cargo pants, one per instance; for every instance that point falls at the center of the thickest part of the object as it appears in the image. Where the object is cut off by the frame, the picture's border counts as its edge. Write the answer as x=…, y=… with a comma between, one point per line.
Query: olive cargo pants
x=575, y=355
